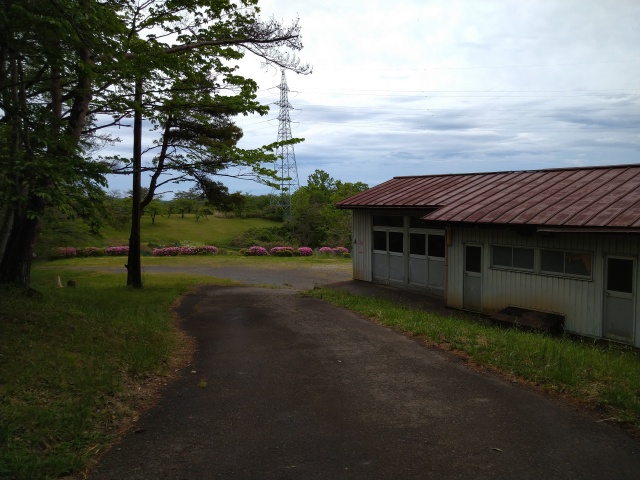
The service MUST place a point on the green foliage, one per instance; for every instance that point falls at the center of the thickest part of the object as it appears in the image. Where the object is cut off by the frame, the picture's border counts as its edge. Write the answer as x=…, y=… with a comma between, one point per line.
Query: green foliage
x=267, y=237
x=69, y=360
x=173, y=63
x=90, y=252
x=60, y=229
x=315, y=220
x=156, y=207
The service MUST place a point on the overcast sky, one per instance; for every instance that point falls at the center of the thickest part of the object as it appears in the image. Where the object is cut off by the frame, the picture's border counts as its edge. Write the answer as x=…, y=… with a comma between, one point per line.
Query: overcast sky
x=416, y=87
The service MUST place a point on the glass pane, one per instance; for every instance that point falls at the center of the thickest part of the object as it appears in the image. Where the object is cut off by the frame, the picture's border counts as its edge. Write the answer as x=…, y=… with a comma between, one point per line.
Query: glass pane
x=396, y=242
x=620, y=275
x=552, y=261
x=416, y=222
x=436, y=246
x=578, y=264
x=388, y=221
x=380, y=241
x=523, y=258
x=417, y=244
x=501, y=256
x=473, y=259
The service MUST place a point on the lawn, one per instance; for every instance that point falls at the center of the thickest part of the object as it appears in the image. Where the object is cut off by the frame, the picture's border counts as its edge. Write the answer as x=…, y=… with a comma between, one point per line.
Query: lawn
x=73, y=361
x=210, y=230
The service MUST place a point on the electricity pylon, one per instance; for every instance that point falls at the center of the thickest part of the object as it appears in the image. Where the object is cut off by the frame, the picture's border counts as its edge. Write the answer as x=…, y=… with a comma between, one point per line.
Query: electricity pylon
x=286, y=162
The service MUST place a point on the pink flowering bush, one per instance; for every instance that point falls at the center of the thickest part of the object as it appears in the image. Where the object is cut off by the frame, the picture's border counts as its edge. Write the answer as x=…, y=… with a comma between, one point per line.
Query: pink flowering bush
x=118, y=251
x=205, y=250
x=341, y=251
x=305, y=251
x=65, y=252
x=258, y=251
x=175, y=251
x=166, y=252
x=282, y=251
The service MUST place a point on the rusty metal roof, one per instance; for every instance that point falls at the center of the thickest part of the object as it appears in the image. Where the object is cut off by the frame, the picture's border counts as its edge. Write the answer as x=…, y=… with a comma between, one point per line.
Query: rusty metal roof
x=605, y=197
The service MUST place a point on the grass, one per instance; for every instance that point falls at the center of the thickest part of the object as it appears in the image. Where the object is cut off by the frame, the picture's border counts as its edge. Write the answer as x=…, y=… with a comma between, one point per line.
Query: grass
x=166, y=231
x=175, y=229
x=195, y=260
x=71, y=361
x=605, y=377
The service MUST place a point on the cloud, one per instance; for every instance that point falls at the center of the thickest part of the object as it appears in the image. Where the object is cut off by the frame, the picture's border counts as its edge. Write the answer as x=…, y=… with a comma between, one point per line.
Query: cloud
x=413, y=87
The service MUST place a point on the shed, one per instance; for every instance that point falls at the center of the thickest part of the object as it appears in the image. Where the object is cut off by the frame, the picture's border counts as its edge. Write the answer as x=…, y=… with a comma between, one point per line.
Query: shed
x=558, y=241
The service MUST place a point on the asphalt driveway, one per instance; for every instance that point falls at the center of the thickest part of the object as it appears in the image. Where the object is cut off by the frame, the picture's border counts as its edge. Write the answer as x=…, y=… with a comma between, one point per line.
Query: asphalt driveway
x=288, y=387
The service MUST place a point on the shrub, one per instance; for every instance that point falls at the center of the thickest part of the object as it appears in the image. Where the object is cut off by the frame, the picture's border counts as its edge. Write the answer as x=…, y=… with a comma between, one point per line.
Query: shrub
x=333, y=251
x=166, y=252
x=65, y=252
x=282, y=251
x=305, y=251
x=90, y=252
x=205, y=250
x=174, y=251
x=266, y=236
x=258, y=251
x=117, y=251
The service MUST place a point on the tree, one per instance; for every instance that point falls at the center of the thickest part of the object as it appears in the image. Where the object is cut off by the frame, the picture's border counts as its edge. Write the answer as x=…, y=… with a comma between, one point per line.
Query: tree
x=48, y=52
x=155, y=208
x=189, y=91
x=67, y=65
x=315, y=220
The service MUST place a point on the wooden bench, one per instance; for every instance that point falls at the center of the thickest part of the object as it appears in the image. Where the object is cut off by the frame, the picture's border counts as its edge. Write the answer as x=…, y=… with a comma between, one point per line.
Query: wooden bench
x=548, y=322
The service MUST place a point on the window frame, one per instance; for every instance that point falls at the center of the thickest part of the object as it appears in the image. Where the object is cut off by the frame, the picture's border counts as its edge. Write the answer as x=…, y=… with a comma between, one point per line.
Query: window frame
x=387, y=231
x=564, y=273
x=512, y=267
x=537, y=261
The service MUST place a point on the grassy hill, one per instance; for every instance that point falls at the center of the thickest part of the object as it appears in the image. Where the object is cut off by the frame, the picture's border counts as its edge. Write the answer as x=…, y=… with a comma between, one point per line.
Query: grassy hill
x=175, y=229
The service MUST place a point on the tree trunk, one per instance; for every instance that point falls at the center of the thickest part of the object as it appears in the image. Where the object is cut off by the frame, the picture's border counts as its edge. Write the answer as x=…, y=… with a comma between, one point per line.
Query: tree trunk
x=134, y=267
x=15, y=266
x=5, y=228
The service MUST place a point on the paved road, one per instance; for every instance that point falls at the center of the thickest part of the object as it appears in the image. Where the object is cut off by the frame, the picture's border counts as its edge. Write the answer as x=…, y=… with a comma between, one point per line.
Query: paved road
x=299, y=389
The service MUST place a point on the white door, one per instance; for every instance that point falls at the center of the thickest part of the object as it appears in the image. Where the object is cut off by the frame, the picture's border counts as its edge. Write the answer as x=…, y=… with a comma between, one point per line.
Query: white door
x=619, y=298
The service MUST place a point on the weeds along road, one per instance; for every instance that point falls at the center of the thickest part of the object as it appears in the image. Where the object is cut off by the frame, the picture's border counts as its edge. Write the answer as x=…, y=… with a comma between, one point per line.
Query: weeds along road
x=288, y=387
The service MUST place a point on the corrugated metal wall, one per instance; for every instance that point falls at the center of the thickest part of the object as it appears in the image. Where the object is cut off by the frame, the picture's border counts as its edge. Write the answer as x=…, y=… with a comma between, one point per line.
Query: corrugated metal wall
x=362, y=248
x=580, y=301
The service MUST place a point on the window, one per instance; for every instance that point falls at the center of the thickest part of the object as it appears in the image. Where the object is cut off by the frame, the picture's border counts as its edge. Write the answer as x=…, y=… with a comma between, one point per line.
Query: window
x=566, y=263
x=396, y=241
x=417, y=244
x=388, y=221
x=523, y=258
x=512, y=257
x=620, y=275
x=388, y=241
x=473, y=259
x=436, y=246
x=380, y=240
